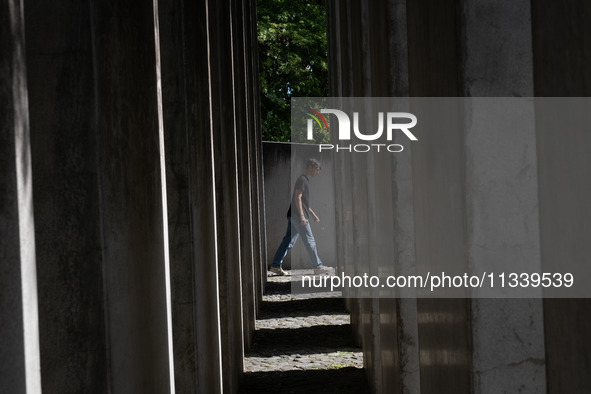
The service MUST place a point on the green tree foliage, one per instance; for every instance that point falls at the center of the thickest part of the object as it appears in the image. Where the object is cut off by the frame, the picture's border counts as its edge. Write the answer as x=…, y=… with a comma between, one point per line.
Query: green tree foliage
x=293, y=60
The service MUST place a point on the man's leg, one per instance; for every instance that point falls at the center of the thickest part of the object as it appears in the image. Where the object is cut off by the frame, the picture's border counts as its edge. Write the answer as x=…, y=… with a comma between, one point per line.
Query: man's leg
x=309, y=243
x=289, y=240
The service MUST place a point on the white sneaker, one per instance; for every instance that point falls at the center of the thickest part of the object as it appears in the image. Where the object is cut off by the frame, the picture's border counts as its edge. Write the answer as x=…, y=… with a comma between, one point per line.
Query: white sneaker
x=279, y=271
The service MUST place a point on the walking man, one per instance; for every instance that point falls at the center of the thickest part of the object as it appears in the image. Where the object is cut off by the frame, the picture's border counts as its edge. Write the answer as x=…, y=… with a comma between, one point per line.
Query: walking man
x=298, y=222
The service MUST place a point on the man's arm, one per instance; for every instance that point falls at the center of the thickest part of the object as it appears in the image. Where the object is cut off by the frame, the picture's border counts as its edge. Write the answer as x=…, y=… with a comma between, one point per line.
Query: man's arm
x=298, y=201
x=316, y=218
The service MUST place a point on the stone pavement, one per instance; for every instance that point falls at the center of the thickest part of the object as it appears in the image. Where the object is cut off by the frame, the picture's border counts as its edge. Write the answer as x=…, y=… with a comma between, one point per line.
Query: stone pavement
x=302, y=344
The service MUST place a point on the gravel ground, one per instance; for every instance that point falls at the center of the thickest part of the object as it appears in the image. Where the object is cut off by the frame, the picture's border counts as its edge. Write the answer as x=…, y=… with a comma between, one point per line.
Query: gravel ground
x=302, y=344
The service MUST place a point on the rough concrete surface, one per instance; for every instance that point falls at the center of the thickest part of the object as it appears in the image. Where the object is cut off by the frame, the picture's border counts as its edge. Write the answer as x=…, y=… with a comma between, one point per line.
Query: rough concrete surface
x=302, y=344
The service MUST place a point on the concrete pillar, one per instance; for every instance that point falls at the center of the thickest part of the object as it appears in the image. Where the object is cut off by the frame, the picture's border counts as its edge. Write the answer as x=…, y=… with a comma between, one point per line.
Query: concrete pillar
x=19, y=347
x=190, y=196
x=131, y=196
x=444, y=328
x=253, y=102
x=224, y=123
x=399, y=349
x=244, y=168
x=353, y=86
x=507, y=334
x=68, y=222
x=361, y=44
x=339, y=78
x=341, y=85
x=406, y=318
x=562, y=52
x=252, y=141
x=365, y=207
x=102, y=239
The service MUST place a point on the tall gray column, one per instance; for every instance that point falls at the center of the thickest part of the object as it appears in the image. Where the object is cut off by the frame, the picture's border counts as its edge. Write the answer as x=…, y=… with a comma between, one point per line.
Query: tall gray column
x=226, y=189
x=341, y=84
x=438, y=197
x=96, y=153
x=19, y=335
x=131, y=196
x=399, y=341
x=69, y=246
x=254, y=141
x=497, y=60
x=562, y=56
x=253, y=97
x=360, y=42
x=244, y=169
x=190, y=196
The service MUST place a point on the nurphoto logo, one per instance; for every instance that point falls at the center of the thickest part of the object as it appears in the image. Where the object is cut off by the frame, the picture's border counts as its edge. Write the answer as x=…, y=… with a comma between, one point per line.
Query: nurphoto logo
x=395, y=122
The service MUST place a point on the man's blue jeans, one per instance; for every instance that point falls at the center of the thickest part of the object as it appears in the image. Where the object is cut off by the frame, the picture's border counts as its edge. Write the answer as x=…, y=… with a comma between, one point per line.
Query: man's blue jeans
x=294, y=230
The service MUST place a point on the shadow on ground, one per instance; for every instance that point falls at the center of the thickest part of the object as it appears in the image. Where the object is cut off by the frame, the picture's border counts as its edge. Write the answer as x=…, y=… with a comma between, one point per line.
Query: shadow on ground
x=304, y=340
x=312, y=332
x=337, y=381
x=304, y=307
